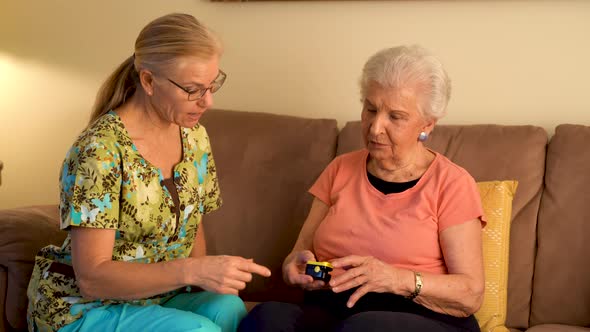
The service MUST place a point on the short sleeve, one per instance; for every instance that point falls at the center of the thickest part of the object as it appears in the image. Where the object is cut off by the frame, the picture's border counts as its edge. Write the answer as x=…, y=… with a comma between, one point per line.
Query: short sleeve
x=322, y=188
x=90, y=184
x=459, y=202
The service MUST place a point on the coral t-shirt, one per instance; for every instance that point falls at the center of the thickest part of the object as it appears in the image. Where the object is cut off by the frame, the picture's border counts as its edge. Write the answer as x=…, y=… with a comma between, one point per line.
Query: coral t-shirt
x=401, y=229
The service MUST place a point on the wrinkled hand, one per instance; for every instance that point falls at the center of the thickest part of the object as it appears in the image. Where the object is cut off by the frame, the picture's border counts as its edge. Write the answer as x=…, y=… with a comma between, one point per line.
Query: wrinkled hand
x=294, y=271
x=367, y=273
x=225, y=274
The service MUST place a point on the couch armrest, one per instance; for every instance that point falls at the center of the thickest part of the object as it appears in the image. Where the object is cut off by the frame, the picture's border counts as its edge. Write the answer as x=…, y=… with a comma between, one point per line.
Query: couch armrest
x=3, y=282
x=23, y=232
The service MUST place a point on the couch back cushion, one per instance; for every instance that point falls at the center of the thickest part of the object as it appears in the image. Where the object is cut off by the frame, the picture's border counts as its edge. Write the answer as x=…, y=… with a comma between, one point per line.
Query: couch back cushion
x=24, y=232
x=265, y=163
x=561, y=291
x=488, y=153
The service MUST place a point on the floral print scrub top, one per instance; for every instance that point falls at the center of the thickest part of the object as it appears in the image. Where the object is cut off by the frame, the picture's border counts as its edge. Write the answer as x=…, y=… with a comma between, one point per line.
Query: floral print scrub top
x=105, y=183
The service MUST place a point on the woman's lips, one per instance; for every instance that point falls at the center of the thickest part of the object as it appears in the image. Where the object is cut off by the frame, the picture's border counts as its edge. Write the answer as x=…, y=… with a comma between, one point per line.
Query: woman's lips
x=195, y=116
x=377, y=145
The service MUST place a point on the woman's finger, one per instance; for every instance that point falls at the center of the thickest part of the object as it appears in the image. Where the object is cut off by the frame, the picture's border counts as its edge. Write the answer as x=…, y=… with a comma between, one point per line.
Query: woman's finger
x=234, y=284
x=346, y=276
x=241, y=275
x=228, y=290
x=351, y=260
x=315, y=285
x=305, y=256
x=255, y=268
x=355, y=282
x=301, y=279
x=357, y=295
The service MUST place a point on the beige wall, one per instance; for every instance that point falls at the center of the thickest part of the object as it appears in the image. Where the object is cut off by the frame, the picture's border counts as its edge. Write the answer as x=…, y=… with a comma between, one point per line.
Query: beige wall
x=512, y=62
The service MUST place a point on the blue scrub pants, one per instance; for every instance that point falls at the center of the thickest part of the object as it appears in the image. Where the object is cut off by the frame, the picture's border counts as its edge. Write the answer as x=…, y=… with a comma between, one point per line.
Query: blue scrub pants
x=198, y=312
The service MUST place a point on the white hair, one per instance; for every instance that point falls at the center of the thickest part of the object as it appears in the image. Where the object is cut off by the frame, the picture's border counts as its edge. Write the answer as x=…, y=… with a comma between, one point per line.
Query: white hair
x=410, y=67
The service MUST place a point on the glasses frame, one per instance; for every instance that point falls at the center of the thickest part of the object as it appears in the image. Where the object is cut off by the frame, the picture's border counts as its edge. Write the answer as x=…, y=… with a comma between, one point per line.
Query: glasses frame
x=199, y=93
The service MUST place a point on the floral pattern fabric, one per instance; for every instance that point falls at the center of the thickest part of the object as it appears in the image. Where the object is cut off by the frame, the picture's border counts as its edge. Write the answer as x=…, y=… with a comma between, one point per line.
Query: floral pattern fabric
x=106, y=183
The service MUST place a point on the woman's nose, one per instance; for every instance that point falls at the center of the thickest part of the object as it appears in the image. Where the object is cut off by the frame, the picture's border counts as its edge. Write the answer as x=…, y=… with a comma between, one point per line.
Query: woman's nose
x=207, y=100
x=377, y=124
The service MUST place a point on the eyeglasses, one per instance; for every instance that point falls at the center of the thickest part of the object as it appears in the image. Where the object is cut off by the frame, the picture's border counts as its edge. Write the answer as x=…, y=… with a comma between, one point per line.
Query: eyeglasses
x=200, y=92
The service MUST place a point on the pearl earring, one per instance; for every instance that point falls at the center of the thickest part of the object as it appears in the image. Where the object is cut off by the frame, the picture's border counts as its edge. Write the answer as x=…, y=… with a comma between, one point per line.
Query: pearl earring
x=423, y=136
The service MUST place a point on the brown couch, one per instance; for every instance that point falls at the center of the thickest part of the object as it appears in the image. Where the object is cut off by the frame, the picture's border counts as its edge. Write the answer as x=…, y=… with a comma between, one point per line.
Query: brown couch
x=267, y=162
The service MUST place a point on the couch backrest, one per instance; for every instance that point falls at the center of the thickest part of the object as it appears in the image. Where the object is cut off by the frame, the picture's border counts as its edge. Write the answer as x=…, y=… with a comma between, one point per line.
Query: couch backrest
x=495, y=152
x=266, y=163
x=561, y=289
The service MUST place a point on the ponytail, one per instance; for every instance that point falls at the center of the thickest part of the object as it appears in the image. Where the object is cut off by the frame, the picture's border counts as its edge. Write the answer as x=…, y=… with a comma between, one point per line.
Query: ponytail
x=158, y=45
x=119, y=86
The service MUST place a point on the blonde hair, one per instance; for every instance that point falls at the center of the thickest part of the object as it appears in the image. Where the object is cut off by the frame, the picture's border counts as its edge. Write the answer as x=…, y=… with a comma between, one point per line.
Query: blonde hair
x=157, y=47
x=410, y=67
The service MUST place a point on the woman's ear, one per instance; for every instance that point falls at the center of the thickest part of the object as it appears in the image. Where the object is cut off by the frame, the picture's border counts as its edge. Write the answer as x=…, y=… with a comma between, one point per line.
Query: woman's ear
x=429, y=126
x=146, y=78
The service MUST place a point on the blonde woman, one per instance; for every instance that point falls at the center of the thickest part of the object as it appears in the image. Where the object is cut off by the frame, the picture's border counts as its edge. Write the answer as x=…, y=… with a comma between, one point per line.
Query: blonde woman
x=134, y=188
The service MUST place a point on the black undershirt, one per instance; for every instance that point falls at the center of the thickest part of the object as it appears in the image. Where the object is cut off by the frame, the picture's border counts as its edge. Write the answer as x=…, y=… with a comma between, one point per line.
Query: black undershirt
x=169, y=183
x=390, y=187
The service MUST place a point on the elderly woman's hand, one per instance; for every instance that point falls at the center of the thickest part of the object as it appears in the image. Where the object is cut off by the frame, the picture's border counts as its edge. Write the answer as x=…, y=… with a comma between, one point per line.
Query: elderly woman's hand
x=368, y=274
x=294, y=271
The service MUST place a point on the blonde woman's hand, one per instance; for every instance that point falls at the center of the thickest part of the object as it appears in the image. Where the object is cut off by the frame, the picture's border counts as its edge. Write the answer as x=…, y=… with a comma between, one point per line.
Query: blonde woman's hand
x=294, y=271
x=223, y=274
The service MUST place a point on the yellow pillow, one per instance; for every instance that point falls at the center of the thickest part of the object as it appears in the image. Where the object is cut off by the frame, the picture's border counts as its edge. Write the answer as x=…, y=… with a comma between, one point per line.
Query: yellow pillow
x=496, y=198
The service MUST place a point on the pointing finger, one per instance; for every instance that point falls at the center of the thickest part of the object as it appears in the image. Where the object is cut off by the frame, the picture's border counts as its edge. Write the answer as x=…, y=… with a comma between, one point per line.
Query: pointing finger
x=256, y=268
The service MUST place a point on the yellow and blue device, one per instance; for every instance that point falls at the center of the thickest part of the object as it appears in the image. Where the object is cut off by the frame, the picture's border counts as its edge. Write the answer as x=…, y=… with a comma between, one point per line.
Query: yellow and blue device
x=319, y=270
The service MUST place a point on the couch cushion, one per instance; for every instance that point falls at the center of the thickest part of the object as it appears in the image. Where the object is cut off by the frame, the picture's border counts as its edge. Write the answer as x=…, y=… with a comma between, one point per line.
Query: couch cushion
x=561, y=292
x=557, y=328
x=496, y=200
x=266, y=163
x=3, y=286
x=495, y=152
x=24, y=231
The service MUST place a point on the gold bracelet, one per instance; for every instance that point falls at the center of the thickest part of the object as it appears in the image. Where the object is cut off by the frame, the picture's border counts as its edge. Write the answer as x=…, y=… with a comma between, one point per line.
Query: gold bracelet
x=418, y=288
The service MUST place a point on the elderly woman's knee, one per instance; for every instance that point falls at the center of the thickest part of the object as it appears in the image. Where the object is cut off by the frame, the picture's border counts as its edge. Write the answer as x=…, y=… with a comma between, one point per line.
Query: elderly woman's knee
x=273, y=308
x=271, y=316
x=389, y=321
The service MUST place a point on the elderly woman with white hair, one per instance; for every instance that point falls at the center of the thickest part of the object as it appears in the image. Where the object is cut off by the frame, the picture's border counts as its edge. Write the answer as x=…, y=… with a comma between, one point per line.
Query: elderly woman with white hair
x=399, y=223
